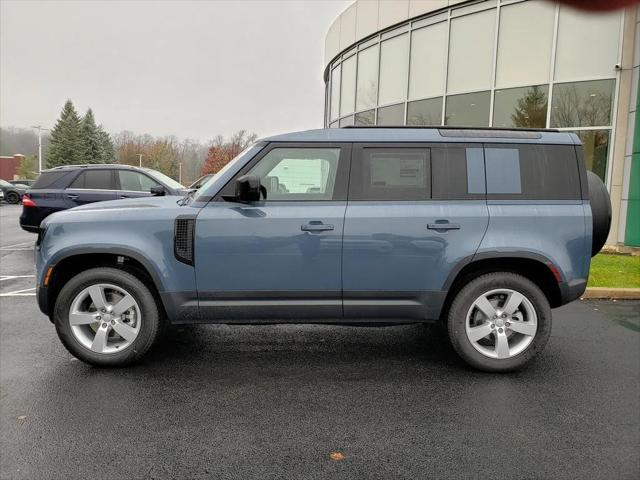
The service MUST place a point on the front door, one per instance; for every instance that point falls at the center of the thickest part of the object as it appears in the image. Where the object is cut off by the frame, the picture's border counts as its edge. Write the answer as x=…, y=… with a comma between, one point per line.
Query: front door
x=279, y=258
x=414, y=213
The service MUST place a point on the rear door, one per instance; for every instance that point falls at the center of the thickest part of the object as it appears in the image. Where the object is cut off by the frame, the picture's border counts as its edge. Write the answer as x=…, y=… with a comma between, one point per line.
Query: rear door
x=413, y=214
x=132, y=184
x=92, y=185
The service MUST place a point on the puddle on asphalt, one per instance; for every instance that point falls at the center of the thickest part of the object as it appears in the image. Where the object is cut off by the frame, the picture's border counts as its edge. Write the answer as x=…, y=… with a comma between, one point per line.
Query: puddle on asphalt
x=625, y=313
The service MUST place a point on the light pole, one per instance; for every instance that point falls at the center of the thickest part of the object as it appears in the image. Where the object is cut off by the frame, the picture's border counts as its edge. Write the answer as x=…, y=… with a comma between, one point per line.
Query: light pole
x=40, y=129
x=140, y=159
x=180, y=173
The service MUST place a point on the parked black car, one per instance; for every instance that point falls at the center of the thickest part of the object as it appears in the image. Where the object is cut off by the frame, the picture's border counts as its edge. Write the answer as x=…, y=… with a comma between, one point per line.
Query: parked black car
x=69, y=186
x=12, y=193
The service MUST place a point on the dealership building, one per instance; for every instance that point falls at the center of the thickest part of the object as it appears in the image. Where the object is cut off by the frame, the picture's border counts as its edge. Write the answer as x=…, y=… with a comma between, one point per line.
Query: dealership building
x=501, y=63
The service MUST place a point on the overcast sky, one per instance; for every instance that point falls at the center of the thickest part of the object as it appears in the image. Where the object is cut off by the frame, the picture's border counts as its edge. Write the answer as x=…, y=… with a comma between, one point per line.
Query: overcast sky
x=192, y=69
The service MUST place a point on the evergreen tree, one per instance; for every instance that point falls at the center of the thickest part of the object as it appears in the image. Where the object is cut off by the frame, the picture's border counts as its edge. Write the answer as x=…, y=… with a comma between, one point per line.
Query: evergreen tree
x=531, y=111
x=67, y=146
x=91, y=139
x=107, y=149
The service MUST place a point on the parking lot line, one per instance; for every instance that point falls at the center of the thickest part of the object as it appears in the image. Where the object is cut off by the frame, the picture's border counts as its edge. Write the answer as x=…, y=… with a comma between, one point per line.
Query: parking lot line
x=18, y=246
x=11, y=277
x=27, y=292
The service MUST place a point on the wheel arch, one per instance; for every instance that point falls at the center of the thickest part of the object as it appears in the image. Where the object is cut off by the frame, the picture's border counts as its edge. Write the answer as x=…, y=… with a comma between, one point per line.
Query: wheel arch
x=537, y=268
x=69, y=265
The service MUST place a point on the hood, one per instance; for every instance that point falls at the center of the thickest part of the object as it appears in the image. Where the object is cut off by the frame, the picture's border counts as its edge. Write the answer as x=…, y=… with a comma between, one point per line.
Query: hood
x=165, y=201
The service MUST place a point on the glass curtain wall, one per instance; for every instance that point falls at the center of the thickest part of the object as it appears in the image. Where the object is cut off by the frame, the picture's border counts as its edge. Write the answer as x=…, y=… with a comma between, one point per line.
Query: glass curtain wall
x=501, y=63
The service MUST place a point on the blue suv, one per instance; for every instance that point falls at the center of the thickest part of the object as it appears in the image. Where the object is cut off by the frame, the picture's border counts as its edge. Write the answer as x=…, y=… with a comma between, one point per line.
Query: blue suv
x=483, y=230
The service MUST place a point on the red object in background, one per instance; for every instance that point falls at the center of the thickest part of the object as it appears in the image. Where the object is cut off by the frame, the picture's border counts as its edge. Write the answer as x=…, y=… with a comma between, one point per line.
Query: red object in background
x=598, y=5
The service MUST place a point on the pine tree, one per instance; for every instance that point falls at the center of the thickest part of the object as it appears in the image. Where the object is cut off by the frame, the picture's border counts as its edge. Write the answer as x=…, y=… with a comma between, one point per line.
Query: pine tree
x=91, y=139
x=531, y=111
x=66, y=147
x=107, y=149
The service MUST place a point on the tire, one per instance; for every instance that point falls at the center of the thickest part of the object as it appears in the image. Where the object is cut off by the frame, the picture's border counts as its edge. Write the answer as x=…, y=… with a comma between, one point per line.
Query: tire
x=140, y=324
x=521, y=348
x=12, y=197
x=600, y=211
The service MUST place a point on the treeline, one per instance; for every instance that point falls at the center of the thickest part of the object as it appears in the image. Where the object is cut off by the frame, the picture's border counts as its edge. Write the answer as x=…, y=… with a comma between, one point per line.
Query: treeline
x=78, y=140
x=21, y=140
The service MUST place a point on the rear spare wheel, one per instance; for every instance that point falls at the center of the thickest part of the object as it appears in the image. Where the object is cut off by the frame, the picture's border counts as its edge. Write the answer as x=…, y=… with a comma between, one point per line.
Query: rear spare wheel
x=600, y=210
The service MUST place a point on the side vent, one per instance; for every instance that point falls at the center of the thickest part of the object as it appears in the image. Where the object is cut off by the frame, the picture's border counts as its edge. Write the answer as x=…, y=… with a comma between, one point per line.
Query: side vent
x=183, y=239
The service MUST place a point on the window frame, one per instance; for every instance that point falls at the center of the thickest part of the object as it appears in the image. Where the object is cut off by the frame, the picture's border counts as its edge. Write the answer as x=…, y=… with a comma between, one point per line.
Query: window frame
x=339, y=188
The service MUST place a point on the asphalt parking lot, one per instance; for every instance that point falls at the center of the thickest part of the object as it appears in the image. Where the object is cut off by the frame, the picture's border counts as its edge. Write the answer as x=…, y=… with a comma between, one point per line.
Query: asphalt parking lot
x=276, y=401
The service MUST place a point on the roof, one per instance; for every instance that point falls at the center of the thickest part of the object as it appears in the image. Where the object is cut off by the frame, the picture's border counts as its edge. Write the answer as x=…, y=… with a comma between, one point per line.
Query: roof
x=428, y=134
x=97, y=165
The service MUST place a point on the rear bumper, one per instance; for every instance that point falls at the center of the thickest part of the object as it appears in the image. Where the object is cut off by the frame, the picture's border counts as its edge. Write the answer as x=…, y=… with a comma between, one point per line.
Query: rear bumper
x=572, y=290
x=29, y=228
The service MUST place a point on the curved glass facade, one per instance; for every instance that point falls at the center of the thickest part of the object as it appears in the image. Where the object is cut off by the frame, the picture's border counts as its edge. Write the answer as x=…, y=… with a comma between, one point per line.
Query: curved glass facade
x=523, y=63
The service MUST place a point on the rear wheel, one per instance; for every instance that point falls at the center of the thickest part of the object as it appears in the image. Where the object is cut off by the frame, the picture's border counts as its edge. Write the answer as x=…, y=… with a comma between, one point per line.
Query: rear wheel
x=12, y=197
x=499, y=322
x=106, y=317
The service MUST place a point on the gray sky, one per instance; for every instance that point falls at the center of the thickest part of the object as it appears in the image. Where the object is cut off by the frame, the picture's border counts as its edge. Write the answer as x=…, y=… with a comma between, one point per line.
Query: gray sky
x=193, y=69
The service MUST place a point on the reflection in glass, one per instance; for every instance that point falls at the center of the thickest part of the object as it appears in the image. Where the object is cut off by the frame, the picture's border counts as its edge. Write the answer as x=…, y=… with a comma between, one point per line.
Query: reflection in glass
x=521, y=107
x=335, y=92
x=348, y=89
x=468, y=110
x=346, y=121
x=428, y=61
x=391, y=115
x=582, y=104
x=367, y=86
x=366, y=118
x=394, y=68
x=425, y=112
x=596, y=149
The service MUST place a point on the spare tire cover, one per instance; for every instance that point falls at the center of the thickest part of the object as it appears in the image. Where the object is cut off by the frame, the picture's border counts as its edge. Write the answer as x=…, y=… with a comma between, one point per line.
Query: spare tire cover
x=600, y=210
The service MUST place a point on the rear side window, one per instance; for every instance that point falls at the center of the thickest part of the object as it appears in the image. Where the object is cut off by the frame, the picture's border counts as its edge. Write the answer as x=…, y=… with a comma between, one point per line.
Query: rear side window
x=94, y=180
x=532, y=172
x=458, y=172
x=390, y=174
x=52, y=179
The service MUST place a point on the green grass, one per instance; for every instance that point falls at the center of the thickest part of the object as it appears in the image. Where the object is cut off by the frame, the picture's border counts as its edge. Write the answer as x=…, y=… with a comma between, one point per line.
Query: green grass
x=615, y=271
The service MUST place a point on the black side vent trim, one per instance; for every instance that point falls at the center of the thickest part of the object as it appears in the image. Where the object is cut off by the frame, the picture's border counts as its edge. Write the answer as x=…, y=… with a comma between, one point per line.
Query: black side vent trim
x=183, y=239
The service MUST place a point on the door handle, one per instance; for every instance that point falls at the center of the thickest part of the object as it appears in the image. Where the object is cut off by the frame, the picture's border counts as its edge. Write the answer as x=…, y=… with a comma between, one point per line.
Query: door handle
x=316, y=227
x=443, y=226
x=72, y=196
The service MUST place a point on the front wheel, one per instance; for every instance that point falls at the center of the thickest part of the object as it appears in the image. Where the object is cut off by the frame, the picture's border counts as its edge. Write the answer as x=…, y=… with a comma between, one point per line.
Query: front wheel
x=106, y=317
x=499, y=322
x=12, y=198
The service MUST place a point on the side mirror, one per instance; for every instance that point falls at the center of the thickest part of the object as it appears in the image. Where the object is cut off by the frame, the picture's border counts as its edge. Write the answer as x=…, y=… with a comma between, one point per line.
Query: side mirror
x=248, y=189
x=157, y=191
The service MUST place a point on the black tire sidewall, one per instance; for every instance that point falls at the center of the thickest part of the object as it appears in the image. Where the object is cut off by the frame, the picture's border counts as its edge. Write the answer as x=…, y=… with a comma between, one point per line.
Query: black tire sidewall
x=12, y=198
x=462, y=303
x=145, y=299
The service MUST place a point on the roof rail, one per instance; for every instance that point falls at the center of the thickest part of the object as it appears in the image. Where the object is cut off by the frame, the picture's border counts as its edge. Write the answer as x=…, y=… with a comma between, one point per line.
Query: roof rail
x=87, y=165
x=453, y=127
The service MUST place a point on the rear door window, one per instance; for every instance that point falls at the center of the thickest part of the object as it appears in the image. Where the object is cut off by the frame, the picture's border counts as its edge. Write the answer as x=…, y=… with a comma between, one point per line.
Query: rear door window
x=390, y=173
x=457, y=172
x=532, y=172
x=94, y=180
x=52, y=179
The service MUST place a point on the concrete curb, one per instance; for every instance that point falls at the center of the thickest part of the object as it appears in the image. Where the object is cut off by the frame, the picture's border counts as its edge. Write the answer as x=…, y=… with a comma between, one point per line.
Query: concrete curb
x=617, y=293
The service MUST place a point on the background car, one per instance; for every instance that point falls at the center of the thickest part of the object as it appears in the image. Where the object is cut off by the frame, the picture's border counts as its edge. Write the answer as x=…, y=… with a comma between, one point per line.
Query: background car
x=69, y=186
x=12, y=193
x=23, y=181
x=201, y=181
x=1, y=195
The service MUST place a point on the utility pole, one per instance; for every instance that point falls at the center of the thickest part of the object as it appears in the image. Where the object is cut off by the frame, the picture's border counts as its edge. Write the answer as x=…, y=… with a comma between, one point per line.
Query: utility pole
x=180, y=173
x=140, y=159
x=40, y=129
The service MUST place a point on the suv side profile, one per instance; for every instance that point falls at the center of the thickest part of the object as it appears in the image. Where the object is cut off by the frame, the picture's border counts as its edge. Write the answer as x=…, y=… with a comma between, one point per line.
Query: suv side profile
x=483, y=230
x=69, y=186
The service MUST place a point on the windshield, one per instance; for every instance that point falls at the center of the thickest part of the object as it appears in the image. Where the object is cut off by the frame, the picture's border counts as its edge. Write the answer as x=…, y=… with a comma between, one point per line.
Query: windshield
x=165, y=179
x=250, y=150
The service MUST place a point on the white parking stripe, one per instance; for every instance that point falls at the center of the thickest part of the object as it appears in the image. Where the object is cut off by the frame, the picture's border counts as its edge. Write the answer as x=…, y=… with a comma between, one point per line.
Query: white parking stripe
x=21, y=244
x=11, y=277
x=20, y=293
